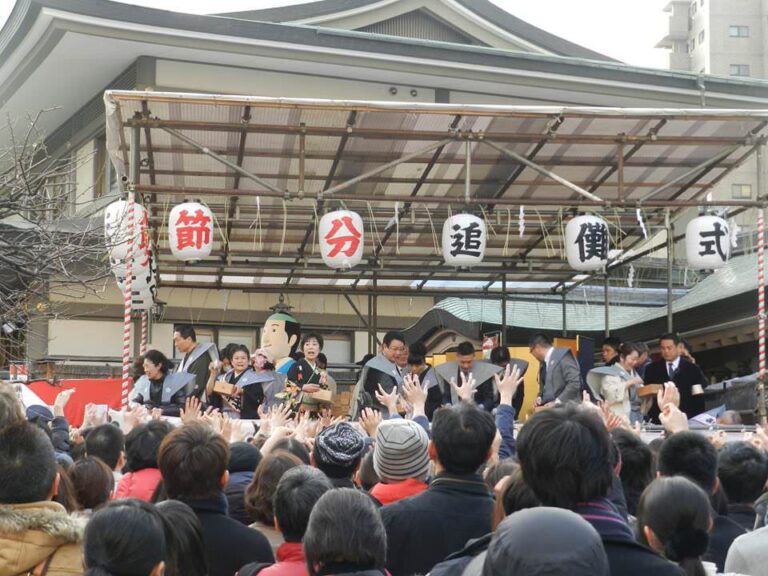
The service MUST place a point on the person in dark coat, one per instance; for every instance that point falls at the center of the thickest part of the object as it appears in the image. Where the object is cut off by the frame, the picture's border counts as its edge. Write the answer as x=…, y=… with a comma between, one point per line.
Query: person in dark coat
x=546, y=542
x=345, y=536
x=196, y=359
x=687, y=376
x=243, y=459
x=559, y=372
x=457, y=506
x=193, y=462
x=743, y=473
x=692, y=455
x=464, y=368
x=565, y=456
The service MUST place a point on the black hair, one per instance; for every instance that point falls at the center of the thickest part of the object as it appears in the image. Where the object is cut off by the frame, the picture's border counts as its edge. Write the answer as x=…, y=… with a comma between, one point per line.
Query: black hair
x=613, y=342
x=678, y=513
x=628, y=347
x=743, y=472
x=345, y=528
x=636, y=465
x=185, y=552
x=92, y=482
x=322, y=361
x=106, y=442
x=293, y=328
x=65, y=495
x=364, y=360
x=670, y=336
x=28, y=464
x=494, y=473
x=465, y=349
x=463, y=435
x=296, y=494
x=500, y=355
x=143, y=443
x=393, y=335
x=227, y=351
x=687, y=345
x=186, y=331
x=642, y=347
x=517, y=495
x=539, y=340
x=417, y=354
x=159, y=359
x=295, y=447
x=124, y=537
x=312, y=336
x=565, y=453
x=367, y=473
x=692, y=455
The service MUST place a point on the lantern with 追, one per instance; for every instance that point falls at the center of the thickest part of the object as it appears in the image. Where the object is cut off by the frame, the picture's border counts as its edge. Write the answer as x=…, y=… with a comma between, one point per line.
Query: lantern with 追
x=707, y=243
x=342, y=239
x=190, y=231
x=116, y=228
x=586, y=243
x=464, y=240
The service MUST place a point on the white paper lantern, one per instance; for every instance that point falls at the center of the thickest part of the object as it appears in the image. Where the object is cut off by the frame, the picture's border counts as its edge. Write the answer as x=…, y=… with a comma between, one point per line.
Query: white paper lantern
x=144, y=299
x=586, y=243
x=116, y=228
x=707, y=243
x=342, y=239
x=464, y=240
x=142, y=278
x=190, y=229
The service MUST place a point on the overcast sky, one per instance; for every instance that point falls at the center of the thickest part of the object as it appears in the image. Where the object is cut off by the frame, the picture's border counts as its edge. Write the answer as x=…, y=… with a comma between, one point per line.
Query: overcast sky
x=624, y=29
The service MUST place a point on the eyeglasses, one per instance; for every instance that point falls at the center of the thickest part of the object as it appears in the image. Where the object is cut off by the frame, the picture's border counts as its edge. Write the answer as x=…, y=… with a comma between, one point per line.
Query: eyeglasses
x=397, y=348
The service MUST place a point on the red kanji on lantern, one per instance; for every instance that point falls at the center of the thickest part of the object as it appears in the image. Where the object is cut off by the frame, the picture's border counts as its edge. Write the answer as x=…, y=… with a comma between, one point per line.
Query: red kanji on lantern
x=192, y=231
x=339, y=242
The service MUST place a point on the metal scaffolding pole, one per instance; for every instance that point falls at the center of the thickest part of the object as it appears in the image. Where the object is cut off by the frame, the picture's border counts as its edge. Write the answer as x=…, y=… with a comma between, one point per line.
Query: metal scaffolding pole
x=607, y=306
x=670, y=248
x=565, y=314
x=503, y=310
x=374, y=316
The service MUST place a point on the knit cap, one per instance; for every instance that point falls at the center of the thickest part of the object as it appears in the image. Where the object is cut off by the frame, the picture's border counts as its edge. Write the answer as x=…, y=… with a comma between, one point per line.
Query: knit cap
x=339, y=445
x=401, y=451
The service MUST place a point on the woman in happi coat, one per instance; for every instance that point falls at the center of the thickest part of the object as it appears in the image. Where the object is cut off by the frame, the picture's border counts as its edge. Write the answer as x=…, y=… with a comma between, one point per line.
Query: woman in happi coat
x=309, y=375
x=159, y=387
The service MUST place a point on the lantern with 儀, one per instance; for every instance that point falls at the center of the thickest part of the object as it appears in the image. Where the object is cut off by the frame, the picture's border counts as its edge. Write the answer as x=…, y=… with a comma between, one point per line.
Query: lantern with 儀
x=707, y=243
x=190, y=231
x=464, y=240
x=342, y=239
x=116, y=228
x=586, y=243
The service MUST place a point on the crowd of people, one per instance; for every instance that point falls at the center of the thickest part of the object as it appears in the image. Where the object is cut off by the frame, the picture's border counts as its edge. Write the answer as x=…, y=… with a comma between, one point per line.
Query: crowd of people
x=429, y=472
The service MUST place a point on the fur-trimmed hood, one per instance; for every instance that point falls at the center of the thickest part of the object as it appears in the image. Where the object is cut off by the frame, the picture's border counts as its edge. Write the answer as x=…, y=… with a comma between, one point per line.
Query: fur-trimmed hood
x=30, y=533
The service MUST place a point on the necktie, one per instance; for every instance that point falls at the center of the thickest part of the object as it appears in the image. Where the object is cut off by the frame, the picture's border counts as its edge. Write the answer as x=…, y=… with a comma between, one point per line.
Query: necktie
x=670, y=370
x=543, y=375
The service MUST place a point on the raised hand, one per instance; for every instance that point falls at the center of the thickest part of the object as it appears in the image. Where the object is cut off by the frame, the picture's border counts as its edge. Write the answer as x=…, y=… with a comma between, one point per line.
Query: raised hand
x=387, y=399
x=191, y=411
x=61, y=401
x=669, y=394
x=415, y=394
x=507, y=383
x=672, y=419
x=465, y=391
x=370, y=420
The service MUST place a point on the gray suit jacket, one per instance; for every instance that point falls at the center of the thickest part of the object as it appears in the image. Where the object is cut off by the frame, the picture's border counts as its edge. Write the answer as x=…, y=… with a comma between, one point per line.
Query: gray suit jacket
x=563, y=378
x=748, y=554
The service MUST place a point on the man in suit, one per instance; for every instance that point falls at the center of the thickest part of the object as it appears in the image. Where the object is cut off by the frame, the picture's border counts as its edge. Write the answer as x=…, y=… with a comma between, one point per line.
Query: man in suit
x=559, y=374
x=687, y=376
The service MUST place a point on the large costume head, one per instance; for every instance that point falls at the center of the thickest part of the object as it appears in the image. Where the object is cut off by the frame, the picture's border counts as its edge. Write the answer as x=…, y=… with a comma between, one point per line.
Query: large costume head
x=281, y=336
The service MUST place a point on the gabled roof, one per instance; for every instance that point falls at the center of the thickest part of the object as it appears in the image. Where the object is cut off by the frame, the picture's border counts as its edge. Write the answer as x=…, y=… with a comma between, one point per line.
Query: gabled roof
x=485, y=10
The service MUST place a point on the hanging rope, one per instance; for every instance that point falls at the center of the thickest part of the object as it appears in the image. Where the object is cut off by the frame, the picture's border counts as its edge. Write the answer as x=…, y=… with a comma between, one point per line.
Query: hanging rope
x=375, y=228
x=488, y=223
x=432, y=226
x=285, y=225
x=256, y=225
x=397, y=227
x=506, y=238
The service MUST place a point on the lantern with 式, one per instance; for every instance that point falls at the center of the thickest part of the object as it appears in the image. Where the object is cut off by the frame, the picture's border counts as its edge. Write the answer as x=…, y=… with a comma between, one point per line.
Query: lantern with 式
x=707, y=243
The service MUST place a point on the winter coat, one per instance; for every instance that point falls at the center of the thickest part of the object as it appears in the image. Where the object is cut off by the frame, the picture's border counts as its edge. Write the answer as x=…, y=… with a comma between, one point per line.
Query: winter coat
x=290, y=561
x=467, y=562
x=424, y=529
x=141, y=484
x=228, y=544
x=390, y=493
x=235, y=493
x=30, y=534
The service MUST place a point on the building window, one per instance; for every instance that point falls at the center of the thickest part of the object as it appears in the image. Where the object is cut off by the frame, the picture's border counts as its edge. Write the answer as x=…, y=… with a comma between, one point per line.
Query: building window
x=693, y=45
x=738, y=31
x=739, y=69
x=741, y=191
x=701, y=37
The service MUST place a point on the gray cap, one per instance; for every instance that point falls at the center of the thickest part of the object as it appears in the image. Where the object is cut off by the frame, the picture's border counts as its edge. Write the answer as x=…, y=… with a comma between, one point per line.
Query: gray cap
x=546, y=541
x=401, y=451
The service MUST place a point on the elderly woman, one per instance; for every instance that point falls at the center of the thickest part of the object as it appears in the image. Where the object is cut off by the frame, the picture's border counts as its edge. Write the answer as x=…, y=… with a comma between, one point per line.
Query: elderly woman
x=309, y=374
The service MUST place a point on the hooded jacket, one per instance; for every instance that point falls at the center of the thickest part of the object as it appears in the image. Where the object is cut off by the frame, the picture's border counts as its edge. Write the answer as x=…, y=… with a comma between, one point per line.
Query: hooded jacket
x=32, y=533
